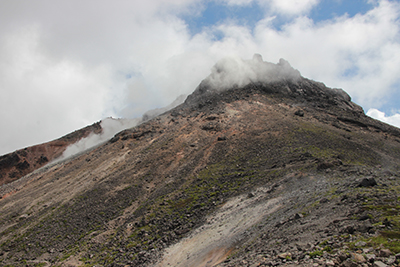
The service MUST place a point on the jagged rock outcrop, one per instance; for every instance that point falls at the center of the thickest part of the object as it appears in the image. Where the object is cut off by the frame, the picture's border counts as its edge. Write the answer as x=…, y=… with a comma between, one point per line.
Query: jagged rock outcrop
x=24, y=161
x=278, y=79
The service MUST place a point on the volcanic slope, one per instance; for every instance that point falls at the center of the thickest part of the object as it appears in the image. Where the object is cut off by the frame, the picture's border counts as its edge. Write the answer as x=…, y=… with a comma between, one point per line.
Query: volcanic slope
x=24, y=161
x=287, y=172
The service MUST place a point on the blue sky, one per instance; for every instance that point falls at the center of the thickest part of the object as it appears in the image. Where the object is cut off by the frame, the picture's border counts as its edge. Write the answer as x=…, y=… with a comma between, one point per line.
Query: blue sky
x=67, y=64
x=328, y=9
x=216, y=12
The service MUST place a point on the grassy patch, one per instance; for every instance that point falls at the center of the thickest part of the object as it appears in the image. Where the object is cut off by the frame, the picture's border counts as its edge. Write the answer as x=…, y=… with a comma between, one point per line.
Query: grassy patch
x=392, y=244
x=316, y=253
x=386, y=217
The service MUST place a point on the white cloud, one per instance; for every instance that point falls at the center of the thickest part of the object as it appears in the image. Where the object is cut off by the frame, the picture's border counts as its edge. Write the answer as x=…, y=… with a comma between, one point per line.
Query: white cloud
x=68, y=64
x=366, y=44
x=292, y=7
x=64, y=67
x=283, y=7
x=233, y=72
x=40, y=95
x=238, y=2
x=379, y=115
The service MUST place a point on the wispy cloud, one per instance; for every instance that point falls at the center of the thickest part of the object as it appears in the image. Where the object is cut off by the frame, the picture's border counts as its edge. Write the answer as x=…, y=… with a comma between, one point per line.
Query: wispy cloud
x=379, y=115
x=65, y=67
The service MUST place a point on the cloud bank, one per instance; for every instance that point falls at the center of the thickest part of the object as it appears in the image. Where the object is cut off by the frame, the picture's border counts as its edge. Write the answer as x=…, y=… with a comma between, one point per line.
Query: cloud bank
x=67, y=64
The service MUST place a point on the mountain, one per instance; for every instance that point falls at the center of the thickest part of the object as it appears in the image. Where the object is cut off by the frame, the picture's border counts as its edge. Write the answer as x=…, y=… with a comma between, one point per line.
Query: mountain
x=263, y=169
x=24, y=161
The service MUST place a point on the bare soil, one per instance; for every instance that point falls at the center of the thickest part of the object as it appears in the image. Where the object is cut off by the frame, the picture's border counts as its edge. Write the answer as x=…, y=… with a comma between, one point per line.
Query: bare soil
x=246, y=177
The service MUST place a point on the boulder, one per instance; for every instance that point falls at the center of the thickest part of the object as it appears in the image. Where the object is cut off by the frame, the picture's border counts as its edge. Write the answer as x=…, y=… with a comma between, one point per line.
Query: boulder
x=367, y=182
x=358, y=257
x=385, y=253
x=379, y=264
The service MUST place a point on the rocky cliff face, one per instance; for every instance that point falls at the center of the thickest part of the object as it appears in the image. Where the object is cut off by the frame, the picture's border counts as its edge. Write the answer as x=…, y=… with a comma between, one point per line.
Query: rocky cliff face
x=24, y=161
x=266, y=173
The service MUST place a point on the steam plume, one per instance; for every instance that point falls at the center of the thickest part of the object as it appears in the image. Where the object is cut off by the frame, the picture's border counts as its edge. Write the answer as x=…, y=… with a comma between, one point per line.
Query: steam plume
x=235, y=72
x=110, y=127
x=227, y=73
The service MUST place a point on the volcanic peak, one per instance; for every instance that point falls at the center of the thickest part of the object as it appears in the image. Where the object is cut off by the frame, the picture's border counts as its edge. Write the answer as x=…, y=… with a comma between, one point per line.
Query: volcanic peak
x=235, y=172
x=243, y=76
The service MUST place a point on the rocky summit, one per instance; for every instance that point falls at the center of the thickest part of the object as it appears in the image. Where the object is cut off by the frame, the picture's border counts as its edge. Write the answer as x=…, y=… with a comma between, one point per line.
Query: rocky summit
x=264, y=169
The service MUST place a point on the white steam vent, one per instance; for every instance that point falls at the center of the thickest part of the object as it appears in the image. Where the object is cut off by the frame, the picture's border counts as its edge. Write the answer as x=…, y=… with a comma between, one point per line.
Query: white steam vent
x=236, y=72
x=110, y=127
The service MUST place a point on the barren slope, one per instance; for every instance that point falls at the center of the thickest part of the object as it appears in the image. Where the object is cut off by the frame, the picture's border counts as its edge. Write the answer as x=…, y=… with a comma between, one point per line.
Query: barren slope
x=242, y=173
x=21, y=162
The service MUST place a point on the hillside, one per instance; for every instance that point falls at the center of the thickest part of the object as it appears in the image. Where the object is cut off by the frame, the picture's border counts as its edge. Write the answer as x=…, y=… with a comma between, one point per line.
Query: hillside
x=24, y=161
x=272, y=172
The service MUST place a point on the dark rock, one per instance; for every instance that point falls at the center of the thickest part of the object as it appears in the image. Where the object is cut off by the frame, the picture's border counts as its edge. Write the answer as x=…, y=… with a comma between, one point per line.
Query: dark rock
x=9, y=160
x=349, y=229
x=298, y=216
x=221, y=138
x=325, y=165
x=386, y=222
x=306, y=155
x=364, y=217
x=175, y=113
x=114, y=139
x=385, y=253
x=365, y=227
x=367, y=182
x=42, y=160
x=182, y=231
x=211, y=126
x=349, y=263
x=324, y=200
x=370, y=257
x=353, y=122
x=299, y=113
x=23, y=216
x=23, y=165
x=211, y=118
